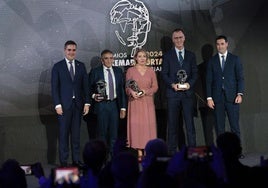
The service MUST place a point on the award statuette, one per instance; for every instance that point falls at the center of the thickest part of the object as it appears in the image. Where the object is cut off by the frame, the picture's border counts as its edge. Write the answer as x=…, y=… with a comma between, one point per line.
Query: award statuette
x=101, y=90
x=182, y=76
x=132, y=84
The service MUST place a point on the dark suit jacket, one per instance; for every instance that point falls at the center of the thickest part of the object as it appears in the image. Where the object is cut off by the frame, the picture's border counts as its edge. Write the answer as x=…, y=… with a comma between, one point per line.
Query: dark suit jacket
x=63, y=86
x=233, y=78
x=170, y=68
x=97, y=74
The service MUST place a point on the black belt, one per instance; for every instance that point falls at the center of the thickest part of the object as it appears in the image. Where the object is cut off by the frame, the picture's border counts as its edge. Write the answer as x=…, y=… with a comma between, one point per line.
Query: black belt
x=109, y=100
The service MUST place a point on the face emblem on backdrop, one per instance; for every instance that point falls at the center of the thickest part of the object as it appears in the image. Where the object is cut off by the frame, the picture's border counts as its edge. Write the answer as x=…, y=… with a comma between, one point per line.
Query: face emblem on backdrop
x=132, y=18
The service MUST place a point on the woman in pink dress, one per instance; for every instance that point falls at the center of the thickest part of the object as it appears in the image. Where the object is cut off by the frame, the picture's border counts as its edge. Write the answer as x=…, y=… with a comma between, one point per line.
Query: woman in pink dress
x=141, y=120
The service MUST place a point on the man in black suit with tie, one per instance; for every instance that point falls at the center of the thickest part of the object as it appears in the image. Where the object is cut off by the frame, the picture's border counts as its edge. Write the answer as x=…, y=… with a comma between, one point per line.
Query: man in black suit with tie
x=179, y=63
x=225, y=86
x=69, y=84
x=111, y=107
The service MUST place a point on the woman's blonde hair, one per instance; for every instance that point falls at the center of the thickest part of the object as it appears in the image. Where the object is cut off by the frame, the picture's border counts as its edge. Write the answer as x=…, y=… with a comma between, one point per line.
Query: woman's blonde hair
x=136, y=54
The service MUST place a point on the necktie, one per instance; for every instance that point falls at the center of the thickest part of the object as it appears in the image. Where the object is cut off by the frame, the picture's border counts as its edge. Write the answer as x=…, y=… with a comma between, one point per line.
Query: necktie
x=111, y=85
x=71, y=70
x=180, y=58
x=222, y=62
x=222, y=68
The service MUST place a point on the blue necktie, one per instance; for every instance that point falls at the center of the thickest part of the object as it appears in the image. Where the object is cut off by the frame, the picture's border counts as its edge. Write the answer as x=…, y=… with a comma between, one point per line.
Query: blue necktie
x=72, y=73
x=222, y=62
x=111, y=84
x=71, y=70
x=180, y=58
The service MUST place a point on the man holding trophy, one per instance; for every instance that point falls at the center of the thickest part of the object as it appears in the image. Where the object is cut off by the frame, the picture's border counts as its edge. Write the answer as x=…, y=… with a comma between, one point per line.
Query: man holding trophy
x=106, y=85
x=180, y=73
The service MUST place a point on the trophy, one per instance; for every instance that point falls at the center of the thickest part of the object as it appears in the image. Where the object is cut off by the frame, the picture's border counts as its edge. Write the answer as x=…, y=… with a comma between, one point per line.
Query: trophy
x=182, y=76
x=101, y=90
x=134, y=86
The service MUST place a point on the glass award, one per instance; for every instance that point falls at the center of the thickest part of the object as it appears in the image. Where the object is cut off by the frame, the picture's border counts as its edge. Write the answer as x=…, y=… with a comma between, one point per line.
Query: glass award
x=182, y=76
x=101, y=90
x=134, y=86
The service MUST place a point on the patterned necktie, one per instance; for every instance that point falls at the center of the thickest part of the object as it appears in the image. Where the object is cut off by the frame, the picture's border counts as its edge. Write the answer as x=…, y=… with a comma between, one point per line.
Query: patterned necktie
x=180, y=58
x=222, y=62
x=111, y=84
x=71, y=70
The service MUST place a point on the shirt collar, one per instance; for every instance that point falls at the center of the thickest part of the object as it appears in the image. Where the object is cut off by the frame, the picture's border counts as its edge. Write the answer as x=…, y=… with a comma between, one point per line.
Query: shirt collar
x=105, y=68
x=69, y=60
x=225, y=54
x=177, y=50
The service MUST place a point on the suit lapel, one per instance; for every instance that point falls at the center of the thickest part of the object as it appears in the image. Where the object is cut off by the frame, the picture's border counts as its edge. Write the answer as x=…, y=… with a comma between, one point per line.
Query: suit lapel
x=65, y=68
x=227, y=59
x=76, y=70
x=185, y=56
x=218, y=64
x=101, y=73
x=115, y=76
x=174, y=56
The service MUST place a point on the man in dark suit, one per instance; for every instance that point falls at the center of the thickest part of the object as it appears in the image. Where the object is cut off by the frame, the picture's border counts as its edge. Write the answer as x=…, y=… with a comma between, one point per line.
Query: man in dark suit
x=69, y=84
x=111, y=107
x=179, y=60
x=225, y=86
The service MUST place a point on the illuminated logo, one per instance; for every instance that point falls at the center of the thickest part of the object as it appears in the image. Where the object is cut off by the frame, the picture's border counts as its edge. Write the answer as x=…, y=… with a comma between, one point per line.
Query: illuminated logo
x=132, y=17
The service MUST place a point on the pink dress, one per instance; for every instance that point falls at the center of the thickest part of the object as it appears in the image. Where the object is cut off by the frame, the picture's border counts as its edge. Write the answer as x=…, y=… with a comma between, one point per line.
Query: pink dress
x=141, y=120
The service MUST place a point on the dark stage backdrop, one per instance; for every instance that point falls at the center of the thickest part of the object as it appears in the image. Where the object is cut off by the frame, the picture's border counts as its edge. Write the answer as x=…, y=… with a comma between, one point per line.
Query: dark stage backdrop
x=32, y=34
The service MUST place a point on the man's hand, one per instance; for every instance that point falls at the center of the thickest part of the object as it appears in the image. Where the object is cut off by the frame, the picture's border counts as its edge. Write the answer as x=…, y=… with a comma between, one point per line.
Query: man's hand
x=122, y=114
x=238, y=99
x=175, y=86
x=210, y=103
x=96, y=98
x=86, y=110
x=59, y=110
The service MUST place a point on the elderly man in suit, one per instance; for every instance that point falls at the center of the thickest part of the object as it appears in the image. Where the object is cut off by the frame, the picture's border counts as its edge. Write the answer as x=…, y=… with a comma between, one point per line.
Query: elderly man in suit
x=109, y=102
x=179, y=65
x=225, y=86
x=69, y=84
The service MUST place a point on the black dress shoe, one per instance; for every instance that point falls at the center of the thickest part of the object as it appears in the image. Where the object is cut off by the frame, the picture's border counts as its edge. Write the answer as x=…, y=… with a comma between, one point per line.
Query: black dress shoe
x=63, y=164
x=79, y=164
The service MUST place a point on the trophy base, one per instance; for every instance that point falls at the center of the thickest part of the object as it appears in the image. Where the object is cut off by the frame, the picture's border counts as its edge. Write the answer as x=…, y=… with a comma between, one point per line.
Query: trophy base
x=182, y=86
x=101, y=98
x=140, y=93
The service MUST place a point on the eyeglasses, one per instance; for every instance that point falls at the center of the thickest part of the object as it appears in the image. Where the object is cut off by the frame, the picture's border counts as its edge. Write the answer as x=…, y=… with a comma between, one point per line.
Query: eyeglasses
x=71, y=50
